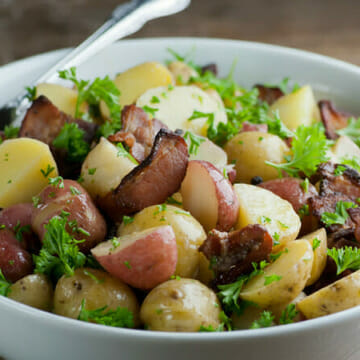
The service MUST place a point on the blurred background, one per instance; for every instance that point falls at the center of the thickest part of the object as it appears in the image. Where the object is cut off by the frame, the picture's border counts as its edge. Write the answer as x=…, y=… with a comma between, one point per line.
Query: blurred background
x=329, y=27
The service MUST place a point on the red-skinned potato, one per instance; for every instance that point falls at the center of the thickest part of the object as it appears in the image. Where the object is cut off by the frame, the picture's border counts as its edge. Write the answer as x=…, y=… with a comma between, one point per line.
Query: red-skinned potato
x=15, y=262
x=84, y=220
x=297, y=193
x=19, y=216
x=142, y=259
x=209, y=197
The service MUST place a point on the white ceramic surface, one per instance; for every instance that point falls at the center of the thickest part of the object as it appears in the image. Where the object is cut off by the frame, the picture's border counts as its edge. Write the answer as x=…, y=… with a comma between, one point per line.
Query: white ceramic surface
x=27, y=334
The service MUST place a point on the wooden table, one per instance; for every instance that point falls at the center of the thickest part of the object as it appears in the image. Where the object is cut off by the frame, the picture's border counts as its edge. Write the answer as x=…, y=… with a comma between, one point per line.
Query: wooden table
x=329, y=27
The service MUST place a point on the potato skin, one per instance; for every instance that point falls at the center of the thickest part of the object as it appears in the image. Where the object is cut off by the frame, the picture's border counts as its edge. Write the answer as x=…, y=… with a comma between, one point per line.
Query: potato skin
x=188, y=232
x=250, y=150
x=15, y=262
x=34, y=290
x=102, y=291
x=180, y=305
x=338, y=296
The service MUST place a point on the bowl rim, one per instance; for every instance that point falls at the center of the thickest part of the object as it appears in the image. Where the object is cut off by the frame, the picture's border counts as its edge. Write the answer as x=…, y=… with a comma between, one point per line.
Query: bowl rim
x=290, y=329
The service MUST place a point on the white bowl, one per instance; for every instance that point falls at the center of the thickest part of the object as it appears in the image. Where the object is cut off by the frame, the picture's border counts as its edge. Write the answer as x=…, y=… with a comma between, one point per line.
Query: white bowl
x=27, y=333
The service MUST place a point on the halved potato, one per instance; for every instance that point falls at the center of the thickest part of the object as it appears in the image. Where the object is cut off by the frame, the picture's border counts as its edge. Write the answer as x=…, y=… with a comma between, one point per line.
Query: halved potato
x=103, y=169
x=293, y=268
x=182, y=72
x=340, y=295
x=188, y=232
x=297, y=108
x=138, y=79
x=212, y=153
x=344, y=147
x=249, y=151
x=260, y=206
x=21, y=162
x=62, y=97
x=177, y=104
x=319, y=253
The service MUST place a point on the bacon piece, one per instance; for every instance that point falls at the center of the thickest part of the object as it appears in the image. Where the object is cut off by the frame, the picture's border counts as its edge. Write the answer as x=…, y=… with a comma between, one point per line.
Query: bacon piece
x=138, y=131
x=44, y=121
x=269, y=94
x=332, y=119
x=246, y=126
x=153, y=181
x=234, y=252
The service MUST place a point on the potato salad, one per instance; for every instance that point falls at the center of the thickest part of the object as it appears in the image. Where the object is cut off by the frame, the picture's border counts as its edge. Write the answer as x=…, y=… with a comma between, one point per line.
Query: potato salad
x=172, y=199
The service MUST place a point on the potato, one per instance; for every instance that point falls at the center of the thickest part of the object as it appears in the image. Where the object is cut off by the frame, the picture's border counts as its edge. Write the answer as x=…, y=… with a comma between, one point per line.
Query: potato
x=344, y=147
x=209, y=197
x=249, y=151
x=293, y=267
x=212, y=153
x=338, y=296
x=34, y=290
x=180, y=305
x=143, y=259
x=177, y=104
x=320, y=254
x=297, y=108
x=205, y=274
x=97, y=288
x=21, y=162
x=62, y=97
x=182, y=72
x=109, y=169
x=188, y=232
x=261, y=206
x=138, y=79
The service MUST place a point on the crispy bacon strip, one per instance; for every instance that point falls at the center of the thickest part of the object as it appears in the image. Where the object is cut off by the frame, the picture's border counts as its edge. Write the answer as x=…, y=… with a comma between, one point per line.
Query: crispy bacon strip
x=44, y=121
x=151, y=182
x=332, y=119
x=138, y=131
x=234, y=252
x=269, y=94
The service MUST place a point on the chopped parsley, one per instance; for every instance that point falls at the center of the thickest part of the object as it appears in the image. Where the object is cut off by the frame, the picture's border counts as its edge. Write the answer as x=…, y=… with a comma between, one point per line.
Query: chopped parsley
x=304, y=211
x=75, y=191
x=92, y=171
x=340, y=215
x=173, y=201
x=36, y=201
x=30, y=93
x=121, y=317
x=340, y=169
x=352, y=130
x=345, y=258
x=160, y=208
x=127, y=264
x=288, y=314
x=316, y=243
x=353, y=162
x=71, y=138
x=4, y=285
x=265, y=220
x=127, y=219
x=11, y=132
x=272, y=278
x=308, y=150
x=194, y=141
x=155, y=100
x=59, y=254
x=57, y=181
x=47, y=171
x=20, y=230
x=122, y=152
x=93, y=277
x=266, y=319
x=150, y=110
x=305, y=185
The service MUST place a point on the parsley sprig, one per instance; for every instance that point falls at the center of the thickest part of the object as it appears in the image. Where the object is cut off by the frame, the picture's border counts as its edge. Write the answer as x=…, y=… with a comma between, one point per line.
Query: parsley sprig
x=345, y=258
x=59, y=254
x=266, y=319
x=352, y=130
x=4, y=285
x=193, y=141
x=340, y=215
x=309, y=149
x=121, y=317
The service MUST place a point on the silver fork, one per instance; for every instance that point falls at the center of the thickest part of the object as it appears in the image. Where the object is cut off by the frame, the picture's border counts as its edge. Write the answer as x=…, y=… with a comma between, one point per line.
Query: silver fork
x=125, y=20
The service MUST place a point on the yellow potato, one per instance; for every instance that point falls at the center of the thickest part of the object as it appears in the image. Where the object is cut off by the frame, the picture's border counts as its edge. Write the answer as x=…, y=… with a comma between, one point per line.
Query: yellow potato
x=97, y=288
x=344, y=147
x=34, y=290
x=298, y=108
x=260, y=206
x=176, y=105
x=320, y=254
x=182, y=72
x=21, y=161
x=180, y=305
x=338, y=296
x=249, y=151
x=136, y=80
x=62, y=97
x=110, y=169
x=188, y=232
x=293, y=267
